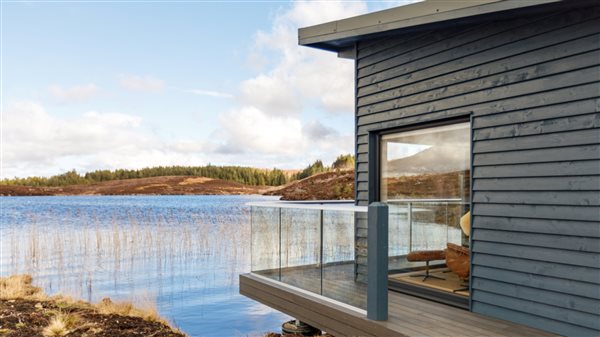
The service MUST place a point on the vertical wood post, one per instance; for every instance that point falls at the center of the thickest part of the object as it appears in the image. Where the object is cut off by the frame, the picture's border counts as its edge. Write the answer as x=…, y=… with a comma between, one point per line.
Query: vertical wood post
x=377, y=260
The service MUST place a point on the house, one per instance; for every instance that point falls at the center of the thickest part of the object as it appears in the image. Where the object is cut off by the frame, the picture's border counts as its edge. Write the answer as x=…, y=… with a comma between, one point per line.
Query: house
x=478, y=126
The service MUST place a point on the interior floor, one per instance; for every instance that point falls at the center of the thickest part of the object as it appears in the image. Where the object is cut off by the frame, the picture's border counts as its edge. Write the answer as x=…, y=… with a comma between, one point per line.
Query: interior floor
x=445, y=287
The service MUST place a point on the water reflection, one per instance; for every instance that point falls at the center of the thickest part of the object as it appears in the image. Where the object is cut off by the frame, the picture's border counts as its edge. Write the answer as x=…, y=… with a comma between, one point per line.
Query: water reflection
x=184, y=251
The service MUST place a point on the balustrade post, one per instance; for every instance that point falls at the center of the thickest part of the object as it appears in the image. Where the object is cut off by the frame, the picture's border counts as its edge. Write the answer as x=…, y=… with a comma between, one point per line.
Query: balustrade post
x=377, y=259
x=410, y=226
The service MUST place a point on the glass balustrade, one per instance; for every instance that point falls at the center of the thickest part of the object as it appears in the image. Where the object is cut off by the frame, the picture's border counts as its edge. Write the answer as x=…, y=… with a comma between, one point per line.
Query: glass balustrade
x=308, y=245
x=312, y=245
x=419, y=233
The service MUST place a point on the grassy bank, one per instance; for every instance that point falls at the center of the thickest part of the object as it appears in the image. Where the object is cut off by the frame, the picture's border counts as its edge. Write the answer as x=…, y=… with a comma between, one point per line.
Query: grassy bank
x=25, y=310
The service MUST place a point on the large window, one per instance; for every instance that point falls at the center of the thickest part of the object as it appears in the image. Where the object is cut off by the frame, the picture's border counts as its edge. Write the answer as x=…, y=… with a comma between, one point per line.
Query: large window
x=430, y=163
x=425, y=179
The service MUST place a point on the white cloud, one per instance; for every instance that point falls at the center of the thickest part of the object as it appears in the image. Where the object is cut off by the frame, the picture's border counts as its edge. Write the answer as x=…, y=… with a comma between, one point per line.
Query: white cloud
x=301, y=76
x=249, y=130
x=316, y=130
x=273, y=105
x=78, y=93
x=190, y=147
x=326, y=143
x=273, y=95
x=292, y=83
x=274, y=122
x=141, y=83
x=36, y=142
x=210, y=93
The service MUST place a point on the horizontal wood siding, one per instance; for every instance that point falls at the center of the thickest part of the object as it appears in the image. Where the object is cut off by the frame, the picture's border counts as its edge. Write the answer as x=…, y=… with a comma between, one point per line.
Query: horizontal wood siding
x=532, y=87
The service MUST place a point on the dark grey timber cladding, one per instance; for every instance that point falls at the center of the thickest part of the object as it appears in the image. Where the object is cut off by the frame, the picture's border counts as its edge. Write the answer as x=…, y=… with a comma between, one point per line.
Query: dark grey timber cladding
x=532, y=87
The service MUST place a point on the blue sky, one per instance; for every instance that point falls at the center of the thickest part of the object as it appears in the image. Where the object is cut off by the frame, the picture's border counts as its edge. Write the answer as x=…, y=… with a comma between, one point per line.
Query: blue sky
x=105, y=85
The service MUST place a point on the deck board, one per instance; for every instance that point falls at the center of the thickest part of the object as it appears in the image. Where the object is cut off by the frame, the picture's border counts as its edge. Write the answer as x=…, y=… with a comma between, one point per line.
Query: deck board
x=408, y=316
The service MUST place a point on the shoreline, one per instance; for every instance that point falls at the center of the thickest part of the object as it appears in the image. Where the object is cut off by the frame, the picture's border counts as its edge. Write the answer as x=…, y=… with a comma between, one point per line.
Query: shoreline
x=27, y=311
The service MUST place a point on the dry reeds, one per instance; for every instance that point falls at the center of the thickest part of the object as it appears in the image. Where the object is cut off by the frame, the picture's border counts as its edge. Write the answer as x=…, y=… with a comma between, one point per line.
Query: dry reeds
x=115, y=249
x=61, y=324
x=19, y=287
x=123, y=252
x=147, y=312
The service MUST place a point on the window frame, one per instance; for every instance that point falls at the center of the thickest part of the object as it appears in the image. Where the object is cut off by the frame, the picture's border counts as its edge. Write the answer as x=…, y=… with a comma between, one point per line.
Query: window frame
x=374, y=175
x=374, y=155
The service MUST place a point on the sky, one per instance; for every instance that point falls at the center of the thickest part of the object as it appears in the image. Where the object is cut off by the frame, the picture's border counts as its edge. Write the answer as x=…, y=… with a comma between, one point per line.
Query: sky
x=132, y=84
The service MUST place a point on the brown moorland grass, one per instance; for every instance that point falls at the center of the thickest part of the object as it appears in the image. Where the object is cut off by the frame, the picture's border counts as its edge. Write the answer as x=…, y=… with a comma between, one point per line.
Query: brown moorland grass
x=333, y=185
x=166, y=185
x=25, y=310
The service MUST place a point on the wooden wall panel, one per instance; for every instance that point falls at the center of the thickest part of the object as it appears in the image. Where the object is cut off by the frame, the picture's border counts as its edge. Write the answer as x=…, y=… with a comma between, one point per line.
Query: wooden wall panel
x=532, y=88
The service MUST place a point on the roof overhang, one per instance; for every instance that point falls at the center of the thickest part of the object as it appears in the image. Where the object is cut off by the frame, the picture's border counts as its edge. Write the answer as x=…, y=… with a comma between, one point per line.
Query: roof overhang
x=341, y=35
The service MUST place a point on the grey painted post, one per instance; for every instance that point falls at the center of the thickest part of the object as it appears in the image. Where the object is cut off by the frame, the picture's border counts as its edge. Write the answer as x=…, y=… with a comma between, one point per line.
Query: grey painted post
x=377, y=259
x=321, y=240
x=410, y=227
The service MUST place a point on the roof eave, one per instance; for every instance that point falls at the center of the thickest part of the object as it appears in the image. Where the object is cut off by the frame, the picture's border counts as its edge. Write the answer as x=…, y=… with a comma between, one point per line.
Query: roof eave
x=338, y=35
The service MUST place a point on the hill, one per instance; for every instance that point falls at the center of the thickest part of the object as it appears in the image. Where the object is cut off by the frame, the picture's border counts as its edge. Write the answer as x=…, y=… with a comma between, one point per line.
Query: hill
x=435, y=160
x=333, y=185
x=168, y=185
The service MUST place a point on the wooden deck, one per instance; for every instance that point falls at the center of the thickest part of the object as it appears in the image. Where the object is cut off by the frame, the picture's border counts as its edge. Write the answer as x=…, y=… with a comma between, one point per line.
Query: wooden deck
x=408, y=316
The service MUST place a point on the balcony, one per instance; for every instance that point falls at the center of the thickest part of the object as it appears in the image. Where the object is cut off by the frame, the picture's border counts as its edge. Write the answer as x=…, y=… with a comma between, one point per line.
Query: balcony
x=314, y=246
x=308, y=262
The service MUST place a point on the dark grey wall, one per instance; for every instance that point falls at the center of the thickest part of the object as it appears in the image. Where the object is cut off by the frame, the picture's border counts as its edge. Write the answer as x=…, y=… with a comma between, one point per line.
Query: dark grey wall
x=532, y=87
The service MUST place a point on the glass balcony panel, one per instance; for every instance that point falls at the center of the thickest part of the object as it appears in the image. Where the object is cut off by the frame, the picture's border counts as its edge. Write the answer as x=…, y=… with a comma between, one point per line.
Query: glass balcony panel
x=310, y=246
x=422, y=226
x=429, y=226
x=399, y=229
x=265, y=241
x=455, y=212
x=423, y=230
x=301, y=248
x=339, y=259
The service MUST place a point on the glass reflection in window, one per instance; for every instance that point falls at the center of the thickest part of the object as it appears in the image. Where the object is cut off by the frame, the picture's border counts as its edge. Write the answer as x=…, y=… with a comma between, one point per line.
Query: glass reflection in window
x=431, y=163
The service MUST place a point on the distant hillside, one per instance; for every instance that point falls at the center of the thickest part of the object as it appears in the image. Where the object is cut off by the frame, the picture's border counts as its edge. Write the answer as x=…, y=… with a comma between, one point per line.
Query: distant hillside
x=446, y=159
x=169, y=185
x=429, y=186
x=333, y=185
x=323, y=186
x=240, y=174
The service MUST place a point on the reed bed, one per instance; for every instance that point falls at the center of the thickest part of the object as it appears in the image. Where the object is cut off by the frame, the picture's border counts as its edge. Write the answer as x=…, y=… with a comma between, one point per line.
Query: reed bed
x=134, y=246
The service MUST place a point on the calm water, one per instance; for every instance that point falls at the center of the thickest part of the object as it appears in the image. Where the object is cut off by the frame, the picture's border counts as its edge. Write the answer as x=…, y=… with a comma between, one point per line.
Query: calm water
x=183, y=253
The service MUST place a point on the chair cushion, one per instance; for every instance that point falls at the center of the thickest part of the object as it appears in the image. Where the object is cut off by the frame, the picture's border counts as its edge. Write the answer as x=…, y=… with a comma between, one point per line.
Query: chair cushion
x=425, y=255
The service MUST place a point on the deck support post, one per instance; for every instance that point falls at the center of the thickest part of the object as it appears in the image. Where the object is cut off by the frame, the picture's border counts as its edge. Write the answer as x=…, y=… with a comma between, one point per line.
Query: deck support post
x=377, y=261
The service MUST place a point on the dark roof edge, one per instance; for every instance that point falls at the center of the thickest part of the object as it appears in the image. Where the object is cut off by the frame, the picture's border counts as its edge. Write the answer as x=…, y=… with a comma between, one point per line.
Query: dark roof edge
x=330, y=36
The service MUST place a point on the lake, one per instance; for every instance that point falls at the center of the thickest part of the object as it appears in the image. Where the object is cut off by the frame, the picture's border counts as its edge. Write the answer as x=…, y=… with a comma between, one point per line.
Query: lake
x=181, y=253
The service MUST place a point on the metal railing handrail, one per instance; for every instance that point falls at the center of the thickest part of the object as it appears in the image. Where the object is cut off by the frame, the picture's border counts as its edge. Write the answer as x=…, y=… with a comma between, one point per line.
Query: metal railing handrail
x=424, y=200
x=324, y=205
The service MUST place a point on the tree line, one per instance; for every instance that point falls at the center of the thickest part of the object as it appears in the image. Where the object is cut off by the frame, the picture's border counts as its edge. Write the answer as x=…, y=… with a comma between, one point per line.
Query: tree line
x=244, y=175
x=342, y=162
